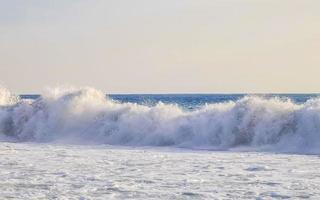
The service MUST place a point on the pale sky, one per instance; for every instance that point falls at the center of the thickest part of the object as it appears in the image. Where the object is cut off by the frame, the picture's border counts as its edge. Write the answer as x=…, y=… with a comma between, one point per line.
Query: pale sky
x=161, y=46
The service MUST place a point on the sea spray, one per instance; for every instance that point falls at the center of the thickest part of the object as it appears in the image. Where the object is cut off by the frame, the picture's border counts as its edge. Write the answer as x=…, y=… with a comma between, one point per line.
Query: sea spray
x=6, y=98
x=86, y=116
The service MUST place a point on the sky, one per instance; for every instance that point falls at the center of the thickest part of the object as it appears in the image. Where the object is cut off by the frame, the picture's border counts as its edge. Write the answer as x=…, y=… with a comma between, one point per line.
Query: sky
x=167, y=46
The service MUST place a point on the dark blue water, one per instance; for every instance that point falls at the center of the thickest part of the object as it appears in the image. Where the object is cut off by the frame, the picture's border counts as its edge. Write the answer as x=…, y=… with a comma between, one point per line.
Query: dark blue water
x=191, y=101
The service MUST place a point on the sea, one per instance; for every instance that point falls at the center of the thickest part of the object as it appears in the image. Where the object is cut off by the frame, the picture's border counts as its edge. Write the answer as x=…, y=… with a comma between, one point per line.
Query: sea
x=85, y=144
x=275, y=122
x=191, y=101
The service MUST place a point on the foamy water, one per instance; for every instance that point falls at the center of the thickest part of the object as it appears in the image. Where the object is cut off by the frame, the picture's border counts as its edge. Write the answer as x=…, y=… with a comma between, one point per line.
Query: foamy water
x=86, y=116
x=49, y=171
x=78, y=144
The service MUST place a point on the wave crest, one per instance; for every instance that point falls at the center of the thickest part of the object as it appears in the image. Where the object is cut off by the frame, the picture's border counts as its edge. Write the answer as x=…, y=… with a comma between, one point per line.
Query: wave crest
x=6, y=98
x=87, y=116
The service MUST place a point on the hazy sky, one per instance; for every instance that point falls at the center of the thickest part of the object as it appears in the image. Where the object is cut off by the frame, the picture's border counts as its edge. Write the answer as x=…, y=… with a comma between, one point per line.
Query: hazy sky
x=159, y=46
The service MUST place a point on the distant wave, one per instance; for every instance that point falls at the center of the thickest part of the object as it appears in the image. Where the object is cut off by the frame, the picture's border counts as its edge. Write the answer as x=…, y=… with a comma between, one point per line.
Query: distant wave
x=86, y=116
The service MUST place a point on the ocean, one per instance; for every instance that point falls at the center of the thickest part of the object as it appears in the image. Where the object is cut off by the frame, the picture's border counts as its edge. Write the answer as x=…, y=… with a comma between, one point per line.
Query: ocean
x=268, y=122
x=191, y=101
x=84, y=144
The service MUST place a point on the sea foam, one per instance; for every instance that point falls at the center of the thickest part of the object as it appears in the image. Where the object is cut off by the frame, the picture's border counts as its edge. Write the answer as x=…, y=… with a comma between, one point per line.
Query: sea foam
x=86, y=116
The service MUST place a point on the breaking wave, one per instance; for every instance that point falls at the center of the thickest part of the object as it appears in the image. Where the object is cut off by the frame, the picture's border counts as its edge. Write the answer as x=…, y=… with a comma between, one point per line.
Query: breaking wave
x=86, y=116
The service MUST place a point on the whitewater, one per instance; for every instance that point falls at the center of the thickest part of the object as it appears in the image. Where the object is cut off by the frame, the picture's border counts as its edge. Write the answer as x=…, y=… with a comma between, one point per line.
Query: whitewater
x=87, y=116
x=78, y=143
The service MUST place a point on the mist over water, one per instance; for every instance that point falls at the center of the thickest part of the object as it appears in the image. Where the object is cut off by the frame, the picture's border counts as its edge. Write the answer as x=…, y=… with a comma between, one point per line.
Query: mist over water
x=86, y=116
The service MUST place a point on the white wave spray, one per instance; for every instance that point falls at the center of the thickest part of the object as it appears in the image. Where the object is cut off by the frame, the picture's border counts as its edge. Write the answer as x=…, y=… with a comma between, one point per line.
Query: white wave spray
x=86, y=116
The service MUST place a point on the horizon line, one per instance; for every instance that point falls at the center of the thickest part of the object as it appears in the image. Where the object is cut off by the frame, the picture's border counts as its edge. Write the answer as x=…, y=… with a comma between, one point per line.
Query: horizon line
x=200, y=93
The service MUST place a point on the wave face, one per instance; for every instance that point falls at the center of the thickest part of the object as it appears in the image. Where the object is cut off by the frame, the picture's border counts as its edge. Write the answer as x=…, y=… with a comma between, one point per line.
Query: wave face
x=86, y=116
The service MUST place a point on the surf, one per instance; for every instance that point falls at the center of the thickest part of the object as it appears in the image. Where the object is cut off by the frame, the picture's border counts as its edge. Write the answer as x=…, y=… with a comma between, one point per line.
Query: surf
x=87, y=116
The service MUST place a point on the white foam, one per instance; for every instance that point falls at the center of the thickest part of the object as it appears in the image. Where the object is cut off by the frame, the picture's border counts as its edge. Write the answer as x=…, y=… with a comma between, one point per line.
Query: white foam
x=85, y=116
x=6, y=98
